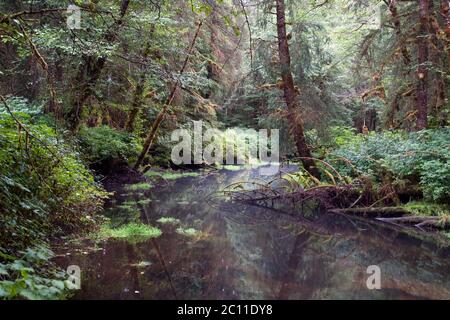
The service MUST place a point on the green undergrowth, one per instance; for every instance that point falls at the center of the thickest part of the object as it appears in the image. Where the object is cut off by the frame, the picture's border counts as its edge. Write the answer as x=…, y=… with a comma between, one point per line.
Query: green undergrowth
x=406, y=159
x=422, y=208
x=30, y=275
x=46, y=192
x=105, y=143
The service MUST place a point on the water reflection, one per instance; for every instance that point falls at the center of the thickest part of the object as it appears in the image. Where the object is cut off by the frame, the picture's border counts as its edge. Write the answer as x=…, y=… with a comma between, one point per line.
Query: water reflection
x=248, y=252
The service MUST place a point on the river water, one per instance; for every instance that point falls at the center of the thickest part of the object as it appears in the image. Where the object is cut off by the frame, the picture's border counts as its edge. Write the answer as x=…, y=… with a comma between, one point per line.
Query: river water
x=217, y=249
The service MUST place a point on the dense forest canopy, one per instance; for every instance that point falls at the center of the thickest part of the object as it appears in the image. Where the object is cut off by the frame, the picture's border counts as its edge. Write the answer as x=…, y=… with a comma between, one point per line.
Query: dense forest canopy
x=357, y=88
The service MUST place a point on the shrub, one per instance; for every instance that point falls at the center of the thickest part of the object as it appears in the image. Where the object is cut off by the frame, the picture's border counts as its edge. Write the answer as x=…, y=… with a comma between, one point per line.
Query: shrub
x=44, y=187
x=45, y=191
x=418, y=157
x=104, y=143
x=32, y=276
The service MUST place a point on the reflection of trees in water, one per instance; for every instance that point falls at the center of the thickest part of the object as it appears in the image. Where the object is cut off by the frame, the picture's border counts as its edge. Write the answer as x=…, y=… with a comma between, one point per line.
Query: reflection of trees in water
x=312, y=265
x=257, y=252
x=273, y=253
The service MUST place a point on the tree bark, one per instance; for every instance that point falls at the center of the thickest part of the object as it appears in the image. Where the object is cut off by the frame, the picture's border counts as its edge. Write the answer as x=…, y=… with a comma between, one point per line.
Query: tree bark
x=290, y=93
x=138, y=93
x=445, y=12
x=88, y=74
x=393, y=109
x=137, y=103
x=422, y=72
x=398, y=31
x=152, y=134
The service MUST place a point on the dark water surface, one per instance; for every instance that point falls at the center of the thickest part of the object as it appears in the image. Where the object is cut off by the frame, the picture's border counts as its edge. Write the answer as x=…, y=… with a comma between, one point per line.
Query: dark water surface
x=223, y=250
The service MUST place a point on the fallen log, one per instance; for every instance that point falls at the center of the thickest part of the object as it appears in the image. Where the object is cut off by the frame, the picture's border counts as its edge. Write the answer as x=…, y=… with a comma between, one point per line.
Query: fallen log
x=419, y=222
x=370, y=212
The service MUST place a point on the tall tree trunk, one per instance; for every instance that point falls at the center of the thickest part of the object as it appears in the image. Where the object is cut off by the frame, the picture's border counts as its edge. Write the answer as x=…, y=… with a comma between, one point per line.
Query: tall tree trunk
x=445, y=12
x=137, y=103
x=159, y=118
x=88, y=74
x=393, y=109
x=439, y=57
x=138, y=93
x=422, y=72
x=290, y=94
x=398, y=32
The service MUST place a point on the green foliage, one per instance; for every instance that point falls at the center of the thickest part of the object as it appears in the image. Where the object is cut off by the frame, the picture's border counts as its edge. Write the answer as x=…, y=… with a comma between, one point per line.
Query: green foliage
x=45, y=191
x=422, y=208
x=342, y=136
x=44, y=188
x=31, y=277
x=138, y=186
x=144, y=202
x=106, y=143
x=418, y=157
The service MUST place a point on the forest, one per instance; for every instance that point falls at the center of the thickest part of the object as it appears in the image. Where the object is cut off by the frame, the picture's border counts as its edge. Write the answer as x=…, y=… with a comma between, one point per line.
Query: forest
x=107, y=191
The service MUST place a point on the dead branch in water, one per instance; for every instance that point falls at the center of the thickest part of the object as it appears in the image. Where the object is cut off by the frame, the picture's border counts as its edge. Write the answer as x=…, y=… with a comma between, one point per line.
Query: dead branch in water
x=373, y=212
x=419, y=222
x=335, y=199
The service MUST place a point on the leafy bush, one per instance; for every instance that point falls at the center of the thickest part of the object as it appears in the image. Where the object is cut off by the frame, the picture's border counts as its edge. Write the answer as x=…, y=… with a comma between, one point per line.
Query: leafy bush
x=105, y=143
x=44, y=187
x=422, y=208
x=418, y=157
x=45, y=191
x=32, y=276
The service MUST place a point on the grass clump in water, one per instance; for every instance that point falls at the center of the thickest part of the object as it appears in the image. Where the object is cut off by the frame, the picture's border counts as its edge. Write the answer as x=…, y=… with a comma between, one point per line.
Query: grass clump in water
x=170, y=175
x=138, y=186
x=190, y=232
x=197, y=235
x=134, y=232
x=232, y=167
x=168, y=220
x=144, y=202
x=141, y=264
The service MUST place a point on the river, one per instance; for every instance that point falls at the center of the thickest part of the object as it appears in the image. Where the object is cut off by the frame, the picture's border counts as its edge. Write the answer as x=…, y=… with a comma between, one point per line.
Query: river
x=211, y=248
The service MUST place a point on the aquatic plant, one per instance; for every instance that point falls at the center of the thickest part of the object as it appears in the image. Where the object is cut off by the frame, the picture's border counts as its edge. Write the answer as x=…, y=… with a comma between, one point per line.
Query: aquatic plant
x=190, y=232
x=141, y=264
x=144, y=202
x=138, y=186
x=170, y=175
x=168, y=220
x=133, y=232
